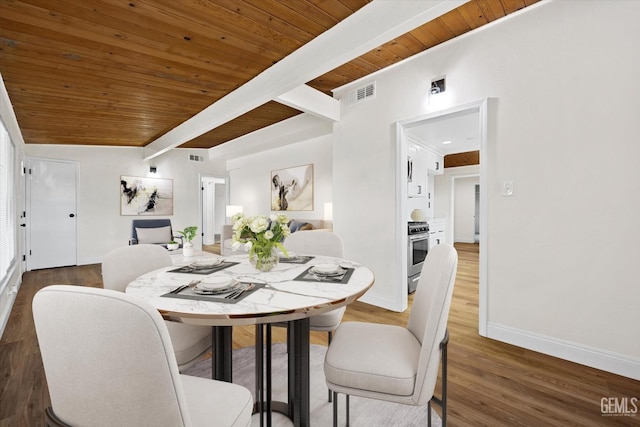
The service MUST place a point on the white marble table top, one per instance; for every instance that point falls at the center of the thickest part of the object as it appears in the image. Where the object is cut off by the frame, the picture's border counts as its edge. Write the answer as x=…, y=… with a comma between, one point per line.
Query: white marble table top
x=281, y=299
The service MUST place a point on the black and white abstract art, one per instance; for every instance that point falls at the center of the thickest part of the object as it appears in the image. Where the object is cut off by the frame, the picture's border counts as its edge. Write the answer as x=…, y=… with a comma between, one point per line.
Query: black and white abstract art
x=292, y=189
x=146, y=196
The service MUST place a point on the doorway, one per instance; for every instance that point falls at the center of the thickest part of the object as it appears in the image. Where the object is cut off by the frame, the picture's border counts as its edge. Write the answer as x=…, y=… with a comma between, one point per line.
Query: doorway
x=214, y=191
x=427, y=129
x=51, y=213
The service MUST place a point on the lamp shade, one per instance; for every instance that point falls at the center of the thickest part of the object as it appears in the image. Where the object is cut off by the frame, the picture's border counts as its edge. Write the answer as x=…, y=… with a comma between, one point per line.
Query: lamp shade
x=233, y=209
x=328, y=211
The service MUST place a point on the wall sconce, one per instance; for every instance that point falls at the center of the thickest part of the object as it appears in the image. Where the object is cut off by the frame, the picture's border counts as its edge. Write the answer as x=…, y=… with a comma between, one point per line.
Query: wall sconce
x=153, y=169
x=437, y=86
x=233, y=209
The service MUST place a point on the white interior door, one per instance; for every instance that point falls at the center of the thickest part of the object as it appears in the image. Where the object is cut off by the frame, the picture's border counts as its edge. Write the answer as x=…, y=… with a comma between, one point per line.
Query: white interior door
x=464, y=214
x=51, y=214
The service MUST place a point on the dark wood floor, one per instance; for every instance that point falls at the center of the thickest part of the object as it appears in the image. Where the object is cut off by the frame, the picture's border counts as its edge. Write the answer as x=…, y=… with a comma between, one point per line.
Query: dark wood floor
x=490, y=383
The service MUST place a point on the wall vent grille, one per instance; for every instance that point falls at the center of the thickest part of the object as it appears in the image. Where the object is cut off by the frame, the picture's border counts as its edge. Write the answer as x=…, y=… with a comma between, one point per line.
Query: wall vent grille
x=196, y=158
x=362, y=93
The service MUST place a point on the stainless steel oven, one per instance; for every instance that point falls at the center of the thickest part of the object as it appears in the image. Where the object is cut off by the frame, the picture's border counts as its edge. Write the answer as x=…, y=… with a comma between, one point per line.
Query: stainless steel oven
x=418, y=247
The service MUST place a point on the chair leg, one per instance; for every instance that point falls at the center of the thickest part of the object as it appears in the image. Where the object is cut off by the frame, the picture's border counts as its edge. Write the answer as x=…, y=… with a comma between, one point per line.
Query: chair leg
x=429, y=414
x=347, y=404
x=329, y=336
x=443, y=400
x=335, y=408
x=443, y=346
x=51, y=419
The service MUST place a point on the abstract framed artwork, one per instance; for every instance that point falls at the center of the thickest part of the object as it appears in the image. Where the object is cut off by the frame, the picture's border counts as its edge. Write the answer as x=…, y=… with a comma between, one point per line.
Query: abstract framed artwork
x=292, y=189
x=146, y=196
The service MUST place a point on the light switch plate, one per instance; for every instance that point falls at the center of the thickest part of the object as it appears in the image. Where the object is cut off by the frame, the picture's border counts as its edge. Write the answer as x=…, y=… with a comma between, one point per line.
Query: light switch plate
x=507, y=188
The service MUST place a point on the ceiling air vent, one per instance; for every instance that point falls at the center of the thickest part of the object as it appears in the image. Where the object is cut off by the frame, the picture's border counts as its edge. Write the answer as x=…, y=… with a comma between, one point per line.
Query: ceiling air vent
x=364, y=92
x=196, y=158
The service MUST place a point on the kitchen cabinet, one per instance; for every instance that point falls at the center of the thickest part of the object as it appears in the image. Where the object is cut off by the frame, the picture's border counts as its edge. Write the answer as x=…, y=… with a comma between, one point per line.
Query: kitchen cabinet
x=436, y=232
x=434, y=162
x=416, y=171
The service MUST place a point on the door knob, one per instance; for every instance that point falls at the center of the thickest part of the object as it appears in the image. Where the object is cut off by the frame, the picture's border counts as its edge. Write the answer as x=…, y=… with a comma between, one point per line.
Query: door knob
x=71, y=215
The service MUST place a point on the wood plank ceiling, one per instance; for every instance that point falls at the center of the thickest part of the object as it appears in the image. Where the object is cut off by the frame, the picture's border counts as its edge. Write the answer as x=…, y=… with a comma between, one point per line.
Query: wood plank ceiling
x=123, y=73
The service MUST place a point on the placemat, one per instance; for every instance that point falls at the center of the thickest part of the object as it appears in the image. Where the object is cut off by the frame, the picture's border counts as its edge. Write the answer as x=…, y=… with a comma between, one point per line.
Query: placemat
x=188, y=293
x=302, y=259
x=204, y=270
x=308, y=276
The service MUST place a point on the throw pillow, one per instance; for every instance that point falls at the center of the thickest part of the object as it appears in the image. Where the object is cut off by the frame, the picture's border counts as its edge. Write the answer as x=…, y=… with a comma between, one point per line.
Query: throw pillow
x=154, y=235
x=299, y=225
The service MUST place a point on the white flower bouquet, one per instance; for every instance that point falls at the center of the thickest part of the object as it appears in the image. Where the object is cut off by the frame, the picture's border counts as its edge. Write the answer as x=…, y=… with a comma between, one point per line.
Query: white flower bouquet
x=260, y=235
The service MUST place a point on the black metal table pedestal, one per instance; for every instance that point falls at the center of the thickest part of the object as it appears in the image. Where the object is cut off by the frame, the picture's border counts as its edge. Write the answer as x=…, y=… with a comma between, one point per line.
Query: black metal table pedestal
x=298, y=406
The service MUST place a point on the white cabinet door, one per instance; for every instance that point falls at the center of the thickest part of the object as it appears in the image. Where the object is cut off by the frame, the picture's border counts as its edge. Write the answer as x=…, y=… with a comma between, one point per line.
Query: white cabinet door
x=435, y=162
x=51, y=214
x=436, y=232
x=417, y=171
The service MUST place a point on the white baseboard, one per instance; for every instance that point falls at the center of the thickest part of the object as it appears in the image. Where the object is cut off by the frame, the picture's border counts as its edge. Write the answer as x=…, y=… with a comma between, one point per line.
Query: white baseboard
x=375, y=299
x=463, y=240
x=604, y=360
x=6, y=310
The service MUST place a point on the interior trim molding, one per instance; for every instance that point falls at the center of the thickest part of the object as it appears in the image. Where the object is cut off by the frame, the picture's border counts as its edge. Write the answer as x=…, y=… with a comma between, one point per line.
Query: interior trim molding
x=598, y=358
x=373, y=298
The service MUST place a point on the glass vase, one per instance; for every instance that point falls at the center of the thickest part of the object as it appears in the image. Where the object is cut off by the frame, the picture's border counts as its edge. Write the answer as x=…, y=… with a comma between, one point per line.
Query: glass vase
x=264, y=259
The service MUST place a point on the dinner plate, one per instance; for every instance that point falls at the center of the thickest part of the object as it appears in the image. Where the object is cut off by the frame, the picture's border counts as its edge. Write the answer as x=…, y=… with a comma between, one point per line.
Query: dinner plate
x=215, y=284
x=230, y=288
x=207, y=262
x=327, y=270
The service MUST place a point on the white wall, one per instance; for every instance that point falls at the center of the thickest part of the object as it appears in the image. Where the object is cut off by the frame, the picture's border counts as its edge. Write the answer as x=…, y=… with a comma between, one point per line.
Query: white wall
x=101, y=228
x=250, y=176
x=561, y=251
x=10, y=286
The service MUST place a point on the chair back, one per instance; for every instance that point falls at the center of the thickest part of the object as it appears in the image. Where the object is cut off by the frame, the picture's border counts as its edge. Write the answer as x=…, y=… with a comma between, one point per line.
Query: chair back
x=108, y=359
x=429, y=314
x=121, y=266
x=322, y=243
x=151, y=230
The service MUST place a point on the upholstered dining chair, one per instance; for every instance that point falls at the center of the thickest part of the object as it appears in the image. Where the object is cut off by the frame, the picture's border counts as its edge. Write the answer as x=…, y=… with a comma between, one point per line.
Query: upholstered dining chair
x=321, y=243
x=121, y=266
x=395, y=363
x=108, y=361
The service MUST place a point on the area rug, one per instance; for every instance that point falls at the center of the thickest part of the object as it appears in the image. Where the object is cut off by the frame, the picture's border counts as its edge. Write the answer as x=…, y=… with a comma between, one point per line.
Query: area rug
x=364, y=412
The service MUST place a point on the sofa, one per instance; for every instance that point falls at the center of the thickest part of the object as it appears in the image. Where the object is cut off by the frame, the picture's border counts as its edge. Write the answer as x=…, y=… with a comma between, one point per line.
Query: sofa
x=226, y=248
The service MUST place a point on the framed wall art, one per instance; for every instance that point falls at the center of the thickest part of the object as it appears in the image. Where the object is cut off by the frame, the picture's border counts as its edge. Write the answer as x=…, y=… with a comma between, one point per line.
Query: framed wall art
x=292, y=189
x=146, y=196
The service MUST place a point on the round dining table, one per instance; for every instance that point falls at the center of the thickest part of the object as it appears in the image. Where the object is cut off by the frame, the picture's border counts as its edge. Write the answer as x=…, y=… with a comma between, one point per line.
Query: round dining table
x=292, y=292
